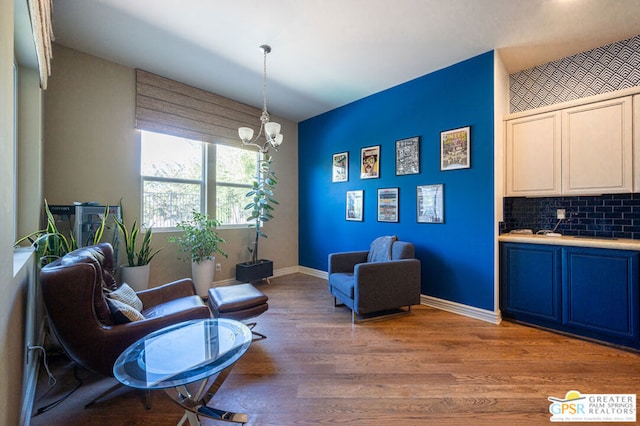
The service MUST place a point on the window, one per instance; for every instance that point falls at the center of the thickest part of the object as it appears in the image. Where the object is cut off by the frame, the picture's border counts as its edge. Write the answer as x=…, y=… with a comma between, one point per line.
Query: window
x=173, y=173
x=235, y=172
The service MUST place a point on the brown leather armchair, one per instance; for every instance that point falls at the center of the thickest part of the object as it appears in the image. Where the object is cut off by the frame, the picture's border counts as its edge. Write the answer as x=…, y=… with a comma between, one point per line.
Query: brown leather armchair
x=79, y=316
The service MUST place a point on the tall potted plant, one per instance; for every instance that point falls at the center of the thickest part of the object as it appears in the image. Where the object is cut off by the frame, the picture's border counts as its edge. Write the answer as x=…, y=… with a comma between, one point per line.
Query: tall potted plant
x=260, y=208
x=136, y=271
x=201, y=241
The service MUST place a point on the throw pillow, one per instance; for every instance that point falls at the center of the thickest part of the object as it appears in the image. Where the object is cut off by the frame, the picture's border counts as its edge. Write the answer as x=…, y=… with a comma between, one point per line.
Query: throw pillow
x=123, y=313
x=126, y=294
x=380, y=250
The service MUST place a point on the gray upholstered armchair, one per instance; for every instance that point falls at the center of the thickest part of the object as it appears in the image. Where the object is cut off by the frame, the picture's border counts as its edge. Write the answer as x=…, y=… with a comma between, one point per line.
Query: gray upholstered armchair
x=382, y=279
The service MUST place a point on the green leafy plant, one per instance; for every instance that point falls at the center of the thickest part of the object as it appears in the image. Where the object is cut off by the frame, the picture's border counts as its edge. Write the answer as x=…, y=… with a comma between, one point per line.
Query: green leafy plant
x=261, y=206
x=200, y=238
x=51, y=244
x=136, y=257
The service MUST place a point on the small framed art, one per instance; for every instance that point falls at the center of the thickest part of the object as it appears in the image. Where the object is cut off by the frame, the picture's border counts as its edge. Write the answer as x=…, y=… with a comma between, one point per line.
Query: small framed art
x=370, y=162
x=340, y=167
x=455, y=149
x=388, y=205
x=430, y=203
x=408, y=156
x=355, y=205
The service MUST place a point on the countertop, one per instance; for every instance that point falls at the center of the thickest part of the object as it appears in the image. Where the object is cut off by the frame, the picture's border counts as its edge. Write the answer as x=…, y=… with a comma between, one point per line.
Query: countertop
x=565, y=240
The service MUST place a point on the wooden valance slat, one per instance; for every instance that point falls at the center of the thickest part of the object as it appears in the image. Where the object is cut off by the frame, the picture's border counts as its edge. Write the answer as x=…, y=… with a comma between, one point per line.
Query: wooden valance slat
x=210, y=132
x=232, y=121
x=171, y=107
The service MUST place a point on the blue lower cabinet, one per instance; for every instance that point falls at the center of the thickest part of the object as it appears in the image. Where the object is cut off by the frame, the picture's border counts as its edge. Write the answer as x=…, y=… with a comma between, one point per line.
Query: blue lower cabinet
x=530, y=285
x=585, y=291
x=600, y=293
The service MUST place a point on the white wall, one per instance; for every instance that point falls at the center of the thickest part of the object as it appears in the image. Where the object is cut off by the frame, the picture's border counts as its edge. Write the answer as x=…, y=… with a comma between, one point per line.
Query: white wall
x=11, y=298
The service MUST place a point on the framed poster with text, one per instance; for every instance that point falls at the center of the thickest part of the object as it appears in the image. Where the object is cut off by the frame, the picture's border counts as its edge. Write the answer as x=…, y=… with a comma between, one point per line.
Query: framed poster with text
x=388, y=205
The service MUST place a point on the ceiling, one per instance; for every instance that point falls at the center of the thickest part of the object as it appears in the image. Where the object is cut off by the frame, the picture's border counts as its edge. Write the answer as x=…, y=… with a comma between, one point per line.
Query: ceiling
x=327, y=53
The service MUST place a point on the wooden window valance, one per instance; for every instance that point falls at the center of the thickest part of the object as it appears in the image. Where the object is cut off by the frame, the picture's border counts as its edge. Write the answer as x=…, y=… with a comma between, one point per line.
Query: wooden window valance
x=170, y=107
x=40, y=17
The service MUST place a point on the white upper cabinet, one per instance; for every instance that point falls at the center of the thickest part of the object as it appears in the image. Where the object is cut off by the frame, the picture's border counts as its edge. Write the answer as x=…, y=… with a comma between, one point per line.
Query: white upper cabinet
x=534, y=155
x=584, y=149
x=597, y=148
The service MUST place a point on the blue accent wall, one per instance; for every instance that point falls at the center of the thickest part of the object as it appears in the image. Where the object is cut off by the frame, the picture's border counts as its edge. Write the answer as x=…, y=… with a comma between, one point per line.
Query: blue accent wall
x=457, y=256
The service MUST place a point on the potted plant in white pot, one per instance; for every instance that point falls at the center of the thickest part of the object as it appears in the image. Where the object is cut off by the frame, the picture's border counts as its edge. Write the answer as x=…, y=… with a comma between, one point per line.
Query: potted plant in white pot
x=136, y=271
x=261, y=208
x=201, y=240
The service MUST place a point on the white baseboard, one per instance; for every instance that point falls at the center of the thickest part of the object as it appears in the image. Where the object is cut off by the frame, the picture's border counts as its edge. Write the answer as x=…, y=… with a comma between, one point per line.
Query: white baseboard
x=313, y=272
x=460, y=309
x=30, y=382
x=276, y=273
x=286, y=271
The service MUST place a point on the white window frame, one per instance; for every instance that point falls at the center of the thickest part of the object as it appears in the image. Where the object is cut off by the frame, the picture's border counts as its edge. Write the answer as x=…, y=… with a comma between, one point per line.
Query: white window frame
x=15, y=150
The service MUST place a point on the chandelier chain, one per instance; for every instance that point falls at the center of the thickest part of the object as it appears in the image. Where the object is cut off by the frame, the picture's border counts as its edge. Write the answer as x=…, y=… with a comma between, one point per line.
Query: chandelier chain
x=264, y=85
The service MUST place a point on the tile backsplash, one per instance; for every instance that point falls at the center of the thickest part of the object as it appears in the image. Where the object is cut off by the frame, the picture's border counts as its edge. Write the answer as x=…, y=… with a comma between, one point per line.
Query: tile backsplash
x=613, y=215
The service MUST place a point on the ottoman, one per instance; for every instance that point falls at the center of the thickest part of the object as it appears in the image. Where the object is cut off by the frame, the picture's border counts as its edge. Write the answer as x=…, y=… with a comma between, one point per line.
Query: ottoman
x=238, y=302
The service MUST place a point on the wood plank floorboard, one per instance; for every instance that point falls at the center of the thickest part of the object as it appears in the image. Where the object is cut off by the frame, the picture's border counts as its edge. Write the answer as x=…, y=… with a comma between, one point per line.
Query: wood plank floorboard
x=316, y=368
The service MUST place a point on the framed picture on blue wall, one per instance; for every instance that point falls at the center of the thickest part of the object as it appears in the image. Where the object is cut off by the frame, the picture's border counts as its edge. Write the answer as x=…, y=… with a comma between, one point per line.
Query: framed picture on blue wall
x=370, y=162
x=388, y=204
x=430, y=203
x=340, y=167
x=355, y=205
x=455, y=149
x=408, y=156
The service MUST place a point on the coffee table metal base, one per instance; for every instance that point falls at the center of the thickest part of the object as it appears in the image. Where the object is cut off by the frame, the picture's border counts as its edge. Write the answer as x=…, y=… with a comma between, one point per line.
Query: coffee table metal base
x=194, y=401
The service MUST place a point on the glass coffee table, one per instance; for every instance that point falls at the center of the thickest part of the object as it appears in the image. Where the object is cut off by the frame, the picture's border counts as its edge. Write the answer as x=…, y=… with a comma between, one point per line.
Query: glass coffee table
x=189, y=361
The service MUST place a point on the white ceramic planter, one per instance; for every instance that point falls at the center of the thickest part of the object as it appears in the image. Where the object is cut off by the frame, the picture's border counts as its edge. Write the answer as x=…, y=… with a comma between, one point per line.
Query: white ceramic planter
x=203, y=274
x=136, y=276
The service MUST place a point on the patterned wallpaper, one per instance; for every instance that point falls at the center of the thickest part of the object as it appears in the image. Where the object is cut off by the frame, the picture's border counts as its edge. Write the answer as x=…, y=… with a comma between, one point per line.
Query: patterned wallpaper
x=601, y=70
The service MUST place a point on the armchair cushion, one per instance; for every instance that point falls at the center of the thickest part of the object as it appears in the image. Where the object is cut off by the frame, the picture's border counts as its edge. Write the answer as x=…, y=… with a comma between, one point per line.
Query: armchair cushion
x=380, y=249
x=344, y=283
x=182, y=305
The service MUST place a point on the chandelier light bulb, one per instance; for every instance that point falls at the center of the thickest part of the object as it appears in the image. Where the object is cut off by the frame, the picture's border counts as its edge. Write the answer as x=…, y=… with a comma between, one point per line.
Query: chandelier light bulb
x=245, y=133
x=272, y=129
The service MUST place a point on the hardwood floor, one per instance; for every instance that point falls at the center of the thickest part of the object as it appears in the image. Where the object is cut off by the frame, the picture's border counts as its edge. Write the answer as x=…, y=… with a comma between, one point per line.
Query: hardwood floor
x=429, y=367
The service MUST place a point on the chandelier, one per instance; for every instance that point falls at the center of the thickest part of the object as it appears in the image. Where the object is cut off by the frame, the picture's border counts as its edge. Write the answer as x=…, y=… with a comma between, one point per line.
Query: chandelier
x=271, y=129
